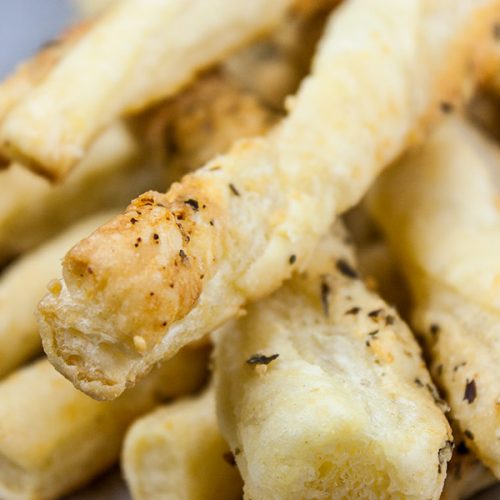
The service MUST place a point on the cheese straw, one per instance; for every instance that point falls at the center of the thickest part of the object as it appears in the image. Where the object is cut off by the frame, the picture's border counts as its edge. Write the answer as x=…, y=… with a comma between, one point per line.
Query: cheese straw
x=322, y=392
x=178, y=452
x=53, y=438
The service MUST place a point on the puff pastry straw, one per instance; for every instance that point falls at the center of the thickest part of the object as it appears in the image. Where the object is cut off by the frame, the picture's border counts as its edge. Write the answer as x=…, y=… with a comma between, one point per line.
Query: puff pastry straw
x=322, y=392
x=233, y=231
x=53, y=438
x=133, y=55
x=177, y=451
x=439, y=209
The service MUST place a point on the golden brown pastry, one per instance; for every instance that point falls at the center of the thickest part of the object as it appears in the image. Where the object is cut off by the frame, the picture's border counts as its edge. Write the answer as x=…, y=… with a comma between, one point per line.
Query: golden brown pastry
x=177, y=452
x=53, y=438
x=322, y=392
x=233, y=231
x=439, y=209
x=203, y=121
x=133, y=55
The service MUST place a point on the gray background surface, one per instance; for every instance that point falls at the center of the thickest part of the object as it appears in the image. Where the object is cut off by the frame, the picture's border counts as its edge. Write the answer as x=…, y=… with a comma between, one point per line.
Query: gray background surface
x=24, y=26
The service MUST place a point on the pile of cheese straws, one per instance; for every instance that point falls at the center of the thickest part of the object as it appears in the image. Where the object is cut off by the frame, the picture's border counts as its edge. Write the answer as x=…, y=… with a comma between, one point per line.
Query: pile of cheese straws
x=258, y=125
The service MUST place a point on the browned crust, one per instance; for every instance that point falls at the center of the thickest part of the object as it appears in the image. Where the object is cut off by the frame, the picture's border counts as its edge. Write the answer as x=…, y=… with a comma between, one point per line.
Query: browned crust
x=215, y=189
x=188, y=130
x=169, y=242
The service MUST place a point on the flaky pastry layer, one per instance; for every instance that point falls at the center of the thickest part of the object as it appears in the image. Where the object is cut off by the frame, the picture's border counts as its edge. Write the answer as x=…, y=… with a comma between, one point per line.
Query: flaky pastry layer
x=322, y=392
x=236, y=229
x=439, y=209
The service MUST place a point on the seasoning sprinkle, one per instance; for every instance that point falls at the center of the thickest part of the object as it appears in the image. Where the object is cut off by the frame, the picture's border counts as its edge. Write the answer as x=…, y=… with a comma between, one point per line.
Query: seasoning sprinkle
x=353, y=310
x=468, y=434
x=346, y=269
x=446, y=107
x=496, y=31
x=470, y=392
x=233, y=189
x=193, y=204
x=390, y=319
x=133, y=220
x=434, y=329
x=292, y=259
x=182, y=254
x=261, y=359
x=325, y=292
x=375, y=313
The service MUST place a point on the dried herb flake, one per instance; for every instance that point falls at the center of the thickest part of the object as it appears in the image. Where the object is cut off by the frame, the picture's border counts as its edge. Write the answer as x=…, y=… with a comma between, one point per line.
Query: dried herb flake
x=346, y=269
x=325, y=292
x=470, y=392
x=233, y=189
x=261, y=359
x=375, y=313
x=353, y=310
x=193, y=204
x=468, y=434
x=446, y=107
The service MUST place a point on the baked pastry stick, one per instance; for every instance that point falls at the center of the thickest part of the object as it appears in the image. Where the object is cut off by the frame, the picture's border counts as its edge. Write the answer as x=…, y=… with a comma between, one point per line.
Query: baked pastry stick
x=168, y=43
x=466, y=475
x=236, y=229
x=322, y=392
x=177, y=451
x=53, y=438
x=21, y=287
x=439, y=210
